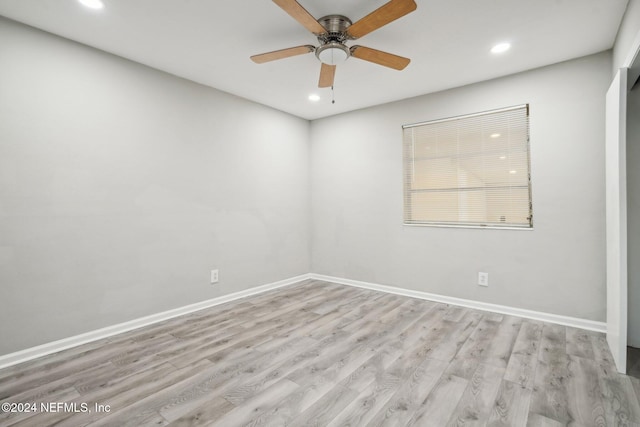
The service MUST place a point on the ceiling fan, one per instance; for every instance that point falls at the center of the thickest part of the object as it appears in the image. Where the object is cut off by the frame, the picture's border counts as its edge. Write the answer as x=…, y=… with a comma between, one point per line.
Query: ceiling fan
x=333, y=31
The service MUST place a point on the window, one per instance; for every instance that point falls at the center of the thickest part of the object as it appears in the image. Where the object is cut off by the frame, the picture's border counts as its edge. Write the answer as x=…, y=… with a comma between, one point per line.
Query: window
x=470, y=170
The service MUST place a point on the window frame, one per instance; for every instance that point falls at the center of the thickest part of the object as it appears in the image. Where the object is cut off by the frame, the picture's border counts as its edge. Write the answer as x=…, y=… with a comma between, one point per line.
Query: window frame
x=407, y=161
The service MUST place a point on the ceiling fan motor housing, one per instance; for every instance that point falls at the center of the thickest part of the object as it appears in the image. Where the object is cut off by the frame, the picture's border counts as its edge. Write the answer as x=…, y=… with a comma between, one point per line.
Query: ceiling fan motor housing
x=332, y=50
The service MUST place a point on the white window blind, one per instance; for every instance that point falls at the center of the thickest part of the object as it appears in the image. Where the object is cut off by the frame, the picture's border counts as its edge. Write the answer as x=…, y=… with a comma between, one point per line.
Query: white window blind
x=470, y=170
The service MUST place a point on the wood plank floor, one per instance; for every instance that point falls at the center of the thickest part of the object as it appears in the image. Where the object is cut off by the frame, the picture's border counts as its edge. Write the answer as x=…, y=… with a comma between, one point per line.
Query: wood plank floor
x=321, y=354
x=633, y=362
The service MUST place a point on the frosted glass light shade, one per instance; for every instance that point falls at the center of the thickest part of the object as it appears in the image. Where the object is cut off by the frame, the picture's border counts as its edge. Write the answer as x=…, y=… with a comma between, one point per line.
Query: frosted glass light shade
x=333, y=53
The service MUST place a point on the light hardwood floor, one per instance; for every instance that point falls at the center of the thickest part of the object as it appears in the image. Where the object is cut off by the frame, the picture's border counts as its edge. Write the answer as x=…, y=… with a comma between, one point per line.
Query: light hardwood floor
x=633, y=362
x=323, y=354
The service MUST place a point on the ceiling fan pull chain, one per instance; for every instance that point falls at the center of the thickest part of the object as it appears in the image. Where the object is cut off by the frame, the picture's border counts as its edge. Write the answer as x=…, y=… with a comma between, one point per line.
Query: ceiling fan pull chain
x=333, y=98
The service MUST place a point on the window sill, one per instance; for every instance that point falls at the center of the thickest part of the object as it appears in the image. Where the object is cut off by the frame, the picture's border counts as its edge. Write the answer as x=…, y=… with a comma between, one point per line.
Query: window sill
x=483, y=227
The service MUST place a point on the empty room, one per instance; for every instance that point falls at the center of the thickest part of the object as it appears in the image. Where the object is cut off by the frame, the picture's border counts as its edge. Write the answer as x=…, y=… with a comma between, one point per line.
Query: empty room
x=323, y=213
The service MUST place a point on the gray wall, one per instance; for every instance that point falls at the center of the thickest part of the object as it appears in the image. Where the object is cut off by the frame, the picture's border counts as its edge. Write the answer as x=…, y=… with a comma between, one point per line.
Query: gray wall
x=121, y=187
x=629, y=28
x=633, y=214
x=559, y=267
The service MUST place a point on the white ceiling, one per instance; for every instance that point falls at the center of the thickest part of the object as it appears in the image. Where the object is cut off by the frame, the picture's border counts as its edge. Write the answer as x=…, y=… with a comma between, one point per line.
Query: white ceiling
x=448, y=41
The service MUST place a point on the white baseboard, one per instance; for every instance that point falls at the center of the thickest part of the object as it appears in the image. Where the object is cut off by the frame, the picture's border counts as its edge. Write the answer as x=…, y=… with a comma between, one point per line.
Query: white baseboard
x=66, y=343
x=575, y=322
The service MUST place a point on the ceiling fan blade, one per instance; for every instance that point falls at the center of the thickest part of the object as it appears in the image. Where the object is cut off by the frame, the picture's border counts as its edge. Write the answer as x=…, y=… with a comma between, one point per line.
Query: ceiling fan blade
x=379, y=57
x=282, y=53
x=380, y=17
x=327, y=74
x=299, y=13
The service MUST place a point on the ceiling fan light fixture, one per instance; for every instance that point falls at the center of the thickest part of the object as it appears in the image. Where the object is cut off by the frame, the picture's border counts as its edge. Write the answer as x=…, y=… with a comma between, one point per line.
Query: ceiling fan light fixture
x=333, y=31
x=333, y=53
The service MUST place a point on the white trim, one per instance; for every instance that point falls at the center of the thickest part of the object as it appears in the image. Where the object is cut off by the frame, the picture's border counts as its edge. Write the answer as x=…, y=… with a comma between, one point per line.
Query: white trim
x=66, y=343
x=575, y=322
x=478, y=227
x=467, y=116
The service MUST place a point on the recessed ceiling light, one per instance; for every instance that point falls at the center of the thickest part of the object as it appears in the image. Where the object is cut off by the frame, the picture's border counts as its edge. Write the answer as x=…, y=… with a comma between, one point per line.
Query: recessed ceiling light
x=513, y=172
x=314, y=97
x=501, y=47
x=495, y=135
x=93, y=4
x=502, y=157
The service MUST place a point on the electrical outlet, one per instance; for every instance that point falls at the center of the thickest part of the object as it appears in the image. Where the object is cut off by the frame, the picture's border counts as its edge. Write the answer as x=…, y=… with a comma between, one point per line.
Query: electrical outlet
x=483, y=279
x=214, y=276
